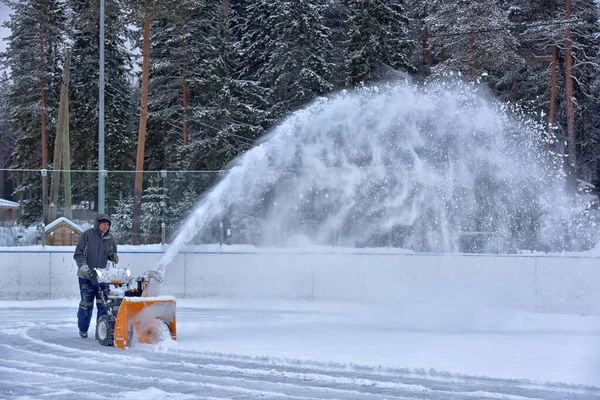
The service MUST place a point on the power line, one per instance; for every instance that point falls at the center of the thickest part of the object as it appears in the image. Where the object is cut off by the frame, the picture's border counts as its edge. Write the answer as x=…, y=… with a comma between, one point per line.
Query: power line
x=95, y=171
x=509, y=28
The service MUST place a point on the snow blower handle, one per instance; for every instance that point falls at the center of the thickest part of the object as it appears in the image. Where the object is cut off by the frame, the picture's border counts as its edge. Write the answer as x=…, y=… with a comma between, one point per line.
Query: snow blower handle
x=93, y=274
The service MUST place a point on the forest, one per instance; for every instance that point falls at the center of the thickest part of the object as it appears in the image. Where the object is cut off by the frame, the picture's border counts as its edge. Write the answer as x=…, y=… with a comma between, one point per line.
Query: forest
x=220, y=74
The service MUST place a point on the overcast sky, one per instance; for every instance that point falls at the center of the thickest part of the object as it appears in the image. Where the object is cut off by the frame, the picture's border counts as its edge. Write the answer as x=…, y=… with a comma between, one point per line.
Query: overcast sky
x=4, y=11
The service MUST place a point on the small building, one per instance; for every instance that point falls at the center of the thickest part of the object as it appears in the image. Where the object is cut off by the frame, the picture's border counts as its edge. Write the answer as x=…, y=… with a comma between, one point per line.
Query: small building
x=9, y=210
x=62, y=232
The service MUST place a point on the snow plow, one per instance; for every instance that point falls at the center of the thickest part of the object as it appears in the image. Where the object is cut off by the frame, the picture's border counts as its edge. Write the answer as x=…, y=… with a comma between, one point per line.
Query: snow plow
x=132, y=313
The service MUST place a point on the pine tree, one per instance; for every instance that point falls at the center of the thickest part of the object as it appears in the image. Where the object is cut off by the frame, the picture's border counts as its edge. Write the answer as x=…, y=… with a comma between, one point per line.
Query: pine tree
x=185, y=205
x=7, y=138
x=179, y=52
x=120, y=141
x=586, y=69
x=299, y=67
x=256, y=36
x=122, y=219
x=228, y=110
x=33, y=56
x=155, y=211
x=335, y=14
x=377, y=40
x=474, y=39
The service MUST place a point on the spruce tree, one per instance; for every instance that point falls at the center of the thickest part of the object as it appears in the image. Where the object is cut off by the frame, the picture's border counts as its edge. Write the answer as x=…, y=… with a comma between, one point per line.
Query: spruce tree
x=586, y=69
x=378, y=41
x=299, y=66
x=335, y=14
x=155, y=210
x=33, y=56
x=7, y=138
x=122, y=219
x=474, y=38
x=120, y=141
x=228, y=109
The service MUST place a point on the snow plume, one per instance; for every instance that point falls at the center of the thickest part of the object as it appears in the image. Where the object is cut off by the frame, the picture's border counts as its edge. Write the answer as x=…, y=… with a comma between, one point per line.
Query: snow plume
x=434, y=168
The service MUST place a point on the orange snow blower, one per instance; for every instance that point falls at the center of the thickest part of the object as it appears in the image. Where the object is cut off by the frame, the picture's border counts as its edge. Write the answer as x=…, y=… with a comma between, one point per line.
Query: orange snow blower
x=131, y=312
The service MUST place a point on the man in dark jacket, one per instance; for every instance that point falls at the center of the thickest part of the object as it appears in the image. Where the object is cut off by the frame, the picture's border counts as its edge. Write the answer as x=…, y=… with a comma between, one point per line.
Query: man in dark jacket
x=96, y=246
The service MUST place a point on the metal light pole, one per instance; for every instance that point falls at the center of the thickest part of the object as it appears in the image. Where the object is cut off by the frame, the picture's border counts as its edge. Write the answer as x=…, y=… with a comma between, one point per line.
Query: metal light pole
x=101, y=171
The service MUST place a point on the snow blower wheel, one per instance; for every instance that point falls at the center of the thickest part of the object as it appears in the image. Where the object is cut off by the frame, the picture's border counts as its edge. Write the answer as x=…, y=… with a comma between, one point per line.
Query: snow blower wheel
x=105, y=330
x=153, y=331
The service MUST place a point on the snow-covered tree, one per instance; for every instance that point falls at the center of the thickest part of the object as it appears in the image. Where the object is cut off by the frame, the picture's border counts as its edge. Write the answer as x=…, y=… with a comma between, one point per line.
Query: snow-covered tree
x=155, y=211
x=378, y=41
x=586, y=70
x=299, y=67
x=335, y=14
x=179, y=52
x=33, y=57
x=120, y=140
x=474, y=38
x=185, y=205
x=7, y=138
x=122, y=219
x=227, y=110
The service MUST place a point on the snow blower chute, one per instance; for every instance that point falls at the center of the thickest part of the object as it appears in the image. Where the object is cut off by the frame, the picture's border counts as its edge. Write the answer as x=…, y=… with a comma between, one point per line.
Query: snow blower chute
x=132, y=312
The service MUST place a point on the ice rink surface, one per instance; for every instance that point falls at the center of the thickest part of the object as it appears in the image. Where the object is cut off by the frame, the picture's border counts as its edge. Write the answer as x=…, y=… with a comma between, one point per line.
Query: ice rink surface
x=248, y=349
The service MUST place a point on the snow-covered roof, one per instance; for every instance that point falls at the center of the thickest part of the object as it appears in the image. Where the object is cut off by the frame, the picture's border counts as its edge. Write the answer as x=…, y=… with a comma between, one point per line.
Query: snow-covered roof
x=8, y=203
x=60, y=220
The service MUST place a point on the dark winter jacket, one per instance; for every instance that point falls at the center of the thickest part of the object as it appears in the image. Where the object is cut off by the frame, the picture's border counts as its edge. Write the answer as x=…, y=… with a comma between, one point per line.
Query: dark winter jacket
x=94, y=246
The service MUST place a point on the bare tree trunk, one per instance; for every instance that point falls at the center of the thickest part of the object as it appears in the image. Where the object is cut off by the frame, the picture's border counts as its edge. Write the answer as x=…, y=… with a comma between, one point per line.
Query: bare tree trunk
x=552, y=60
x=139, y=165
x=426, y=51
x=473, y=56
x=185, y=65
x=44, y=133
x=552, y=99
x=572, y=155
x=59, y=143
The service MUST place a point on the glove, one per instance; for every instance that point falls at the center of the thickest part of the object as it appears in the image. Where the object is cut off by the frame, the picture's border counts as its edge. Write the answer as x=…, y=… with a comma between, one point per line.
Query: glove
x=113, y=257
x=85, y=271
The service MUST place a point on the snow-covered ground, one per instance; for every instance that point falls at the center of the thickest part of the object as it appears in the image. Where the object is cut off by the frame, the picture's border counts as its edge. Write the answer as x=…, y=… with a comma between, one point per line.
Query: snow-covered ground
x=303, y=350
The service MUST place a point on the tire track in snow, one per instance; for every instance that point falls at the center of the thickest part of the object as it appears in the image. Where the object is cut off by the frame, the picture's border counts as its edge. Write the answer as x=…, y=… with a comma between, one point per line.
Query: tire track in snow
x=190, y=374
x=329, y=380
x=225, y=383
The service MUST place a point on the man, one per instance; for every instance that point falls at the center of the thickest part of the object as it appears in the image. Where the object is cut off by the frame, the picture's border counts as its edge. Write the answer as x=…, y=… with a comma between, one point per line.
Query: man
x=96, y=246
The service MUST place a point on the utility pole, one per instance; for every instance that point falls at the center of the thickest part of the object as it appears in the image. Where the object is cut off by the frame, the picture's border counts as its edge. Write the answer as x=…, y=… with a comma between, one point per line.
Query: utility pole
x=101, y=168
x=66, y=147
x=572, y=155
x=44, y=133
x=59, y=144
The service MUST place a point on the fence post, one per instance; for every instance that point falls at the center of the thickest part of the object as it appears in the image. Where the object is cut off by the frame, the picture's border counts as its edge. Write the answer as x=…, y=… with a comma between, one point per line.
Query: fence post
x=43, y=232
x=221, y=233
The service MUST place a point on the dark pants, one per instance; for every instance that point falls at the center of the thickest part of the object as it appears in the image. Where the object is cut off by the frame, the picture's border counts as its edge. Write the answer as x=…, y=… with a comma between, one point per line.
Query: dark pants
x=89, y=292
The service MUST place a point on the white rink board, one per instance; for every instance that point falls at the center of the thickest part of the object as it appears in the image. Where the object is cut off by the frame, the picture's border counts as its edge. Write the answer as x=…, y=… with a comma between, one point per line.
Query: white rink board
x=555, y=284
x=24, y=276
x=247, y=275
